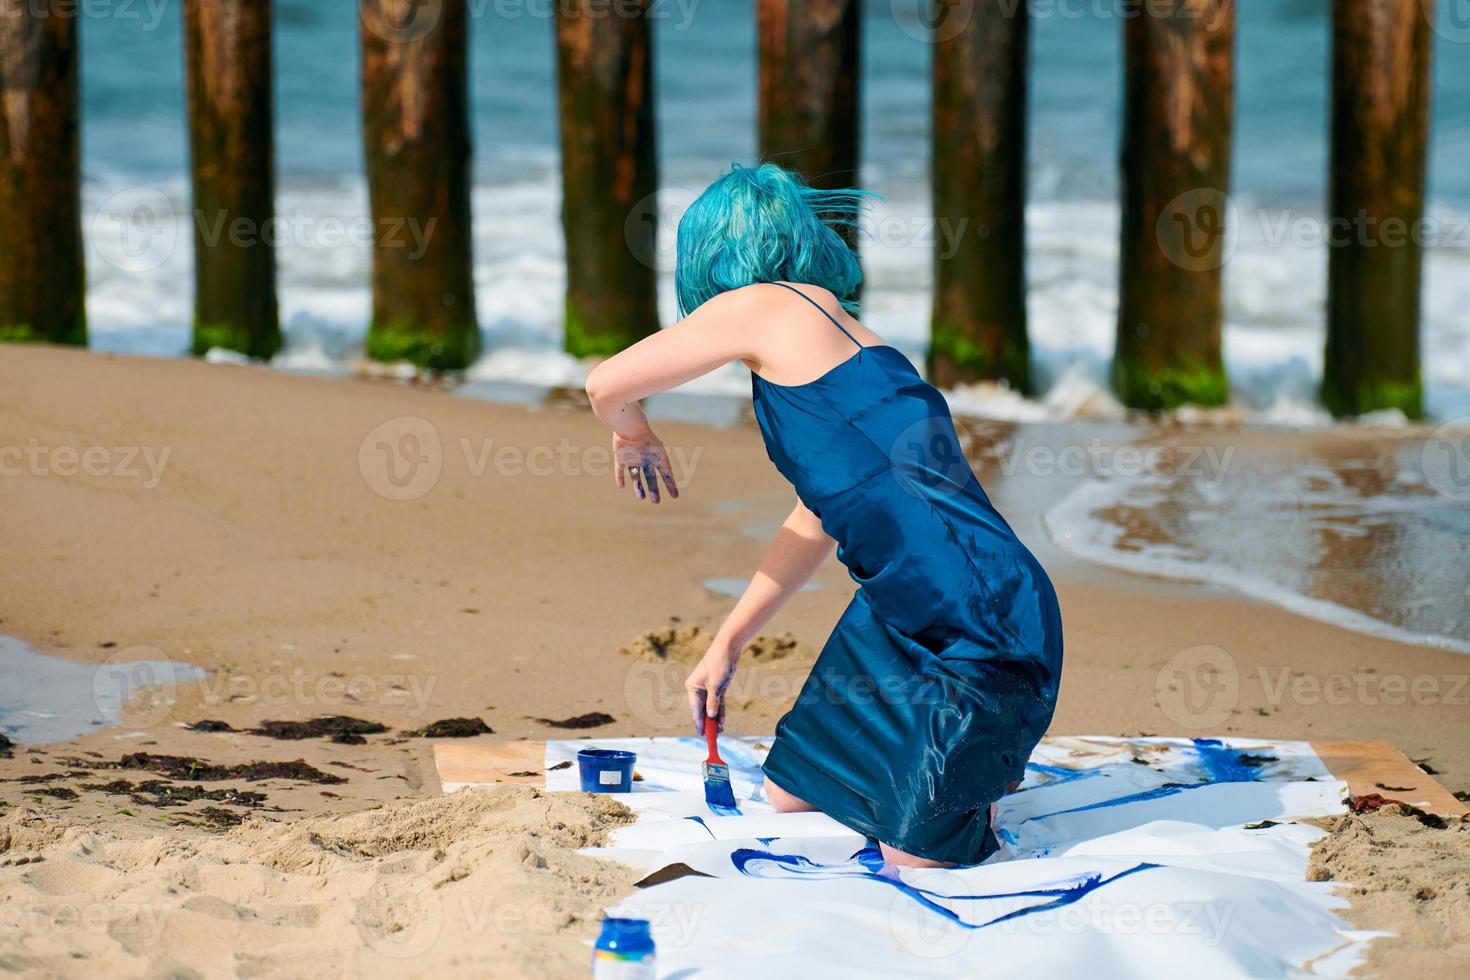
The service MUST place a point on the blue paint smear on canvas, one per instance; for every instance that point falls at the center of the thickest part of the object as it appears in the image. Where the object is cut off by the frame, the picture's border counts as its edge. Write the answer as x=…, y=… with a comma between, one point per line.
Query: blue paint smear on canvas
x=1221, y=764
x=752, y=863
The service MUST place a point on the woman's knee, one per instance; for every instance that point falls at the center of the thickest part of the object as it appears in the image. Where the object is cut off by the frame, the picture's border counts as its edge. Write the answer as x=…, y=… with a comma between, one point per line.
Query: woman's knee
x=784, y=802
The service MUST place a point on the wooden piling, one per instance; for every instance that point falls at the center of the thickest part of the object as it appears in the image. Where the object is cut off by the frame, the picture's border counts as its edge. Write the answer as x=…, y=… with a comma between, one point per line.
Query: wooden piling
x=609, y=166
x=416, y=141
x=227, y=45
x=978, y=154
x=1381, y=52
x=41, y=267
x=1179, y=104
x=809, y=67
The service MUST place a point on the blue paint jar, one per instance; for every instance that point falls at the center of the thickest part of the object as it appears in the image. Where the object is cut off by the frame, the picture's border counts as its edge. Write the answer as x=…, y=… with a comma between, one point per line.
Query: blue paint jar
x=606, y=770
x=624, y=950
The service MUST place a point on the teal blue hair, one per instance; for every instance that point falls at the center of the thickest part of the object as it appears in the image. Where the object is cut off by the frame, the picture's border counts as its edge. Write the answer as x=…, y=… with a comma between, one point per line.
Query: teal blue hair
x=766, y=224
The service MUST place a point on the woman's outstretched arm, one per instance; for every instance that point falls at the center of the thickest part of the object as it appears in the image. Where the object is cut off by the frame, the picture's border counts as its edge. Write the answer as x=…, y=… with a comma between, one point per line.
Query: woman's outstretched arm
x=725, y=329
x=793, y=558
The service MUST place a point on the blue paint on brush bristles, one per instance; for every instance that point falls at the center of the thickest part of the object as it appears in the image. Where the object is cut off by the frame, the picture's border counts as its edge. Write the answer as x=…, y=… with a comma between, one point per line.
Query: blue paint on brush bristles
x=717, y=789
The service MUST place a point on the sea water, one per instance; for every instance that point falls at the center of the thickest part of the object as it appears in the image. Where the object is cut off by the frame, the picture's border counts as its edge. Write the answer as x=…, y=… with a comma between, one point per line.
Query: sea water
x=45, y=699
x=138, y=225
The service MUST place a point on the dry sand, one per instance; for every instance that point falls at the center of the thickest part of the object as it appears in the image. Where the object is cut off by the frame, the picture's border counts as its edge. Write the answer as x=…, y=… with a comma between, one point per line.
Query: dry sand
x=482, y=883
x=497, y=580
x=1407, y=876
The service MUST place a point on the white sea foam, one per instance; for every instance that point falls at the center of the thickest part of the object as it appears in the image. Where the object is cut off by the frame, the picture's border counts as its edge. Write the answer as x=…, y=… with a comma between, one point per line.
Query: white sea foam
x=1276, y=561
x=140, y=271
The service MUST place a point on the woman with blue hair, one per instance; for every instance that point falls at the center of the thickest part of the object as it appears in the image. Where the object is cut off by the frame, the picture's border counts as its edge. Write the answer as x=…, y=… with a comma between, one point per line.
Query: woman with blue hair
x=941, y=676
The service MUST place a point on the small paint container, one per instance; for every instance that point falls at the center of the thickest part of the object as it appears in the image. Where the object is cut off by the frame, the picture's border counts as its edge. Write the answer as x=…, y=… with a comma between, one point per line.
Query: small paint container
x=606, y=770
x=624, y=950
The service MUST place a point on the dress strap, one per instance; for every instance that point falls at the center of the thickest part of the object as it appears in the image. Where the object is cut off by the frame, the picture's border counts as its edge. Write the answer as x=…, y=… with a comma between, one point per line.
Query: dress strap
x=824, y=313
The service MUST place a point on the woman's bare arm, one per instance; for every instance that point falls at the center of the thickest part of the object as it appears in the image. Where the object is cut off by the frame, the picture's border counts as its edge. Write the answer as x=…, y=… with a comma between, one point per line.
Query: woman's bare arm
x=795, y=555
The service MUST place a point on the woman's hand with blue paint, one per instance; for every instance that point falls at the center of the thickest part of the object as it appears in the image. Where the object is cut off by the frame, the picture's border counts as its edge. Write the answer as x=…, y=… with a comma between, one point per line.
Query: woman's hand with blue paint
x=707, y=683
x=644, y=458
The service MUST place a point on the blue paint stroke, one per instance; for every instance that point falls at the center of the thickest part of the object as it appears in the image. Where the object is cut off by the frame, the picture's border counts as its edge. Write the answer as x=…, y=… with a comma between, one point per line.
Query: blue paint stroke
x=1063, y=892
x=700, y=821
x=1221, y=763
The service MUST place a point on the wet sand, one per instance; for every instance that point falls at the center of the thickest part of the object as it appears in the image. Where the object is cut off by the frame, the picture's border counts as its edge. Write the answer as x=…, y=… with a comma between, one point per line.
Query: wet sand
x=403, y=556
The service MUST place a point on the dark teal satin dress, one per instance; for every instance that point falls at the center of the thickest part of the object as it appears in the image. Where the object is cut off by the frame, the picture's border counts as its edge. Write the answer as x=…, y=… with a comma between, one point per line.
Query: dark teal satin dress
x=941, y=676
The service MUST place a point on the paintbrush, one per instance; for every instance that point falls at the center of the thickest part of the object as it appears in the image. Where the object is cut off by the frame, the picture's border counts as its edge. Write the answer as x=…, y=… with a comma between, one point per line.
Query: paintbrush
x=717, y=789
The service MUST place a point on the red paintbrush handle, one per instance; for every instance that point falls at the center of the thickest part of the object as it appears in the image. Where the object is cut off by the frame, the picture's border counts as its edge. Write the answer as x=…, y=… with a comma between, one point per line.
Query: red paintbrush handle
x=711, y=729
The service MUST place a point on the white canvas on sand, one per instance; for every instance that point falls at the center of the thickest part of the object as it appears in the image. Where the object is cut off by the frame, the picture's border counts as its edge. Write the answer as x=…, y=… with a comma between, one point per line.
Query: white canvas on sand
x=1121, y=858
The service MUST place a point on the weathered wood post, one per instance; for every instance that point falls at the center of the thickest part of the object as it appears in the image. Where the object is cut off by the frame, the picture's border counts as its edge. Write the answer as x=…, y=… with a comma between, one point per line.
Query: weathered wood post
x=1179, y=102
x=979, y=160
x=808, y=89
x=1381, y=52
x=227, y=45
x=41, y=267
x=609, y=168
x=416, y=141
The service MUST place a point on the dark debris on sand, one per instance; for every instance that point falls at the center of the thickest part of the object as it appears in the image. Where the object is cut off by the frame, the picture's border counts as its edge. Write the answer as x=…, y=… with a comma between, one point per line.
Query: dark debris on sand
x=55, y=792
x=183, y=767
x=339, y=728
x=211, y=725
x=592, y=719
x=159, y=793
x=1369, y=802
x=453, y=728
x=6, y=745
